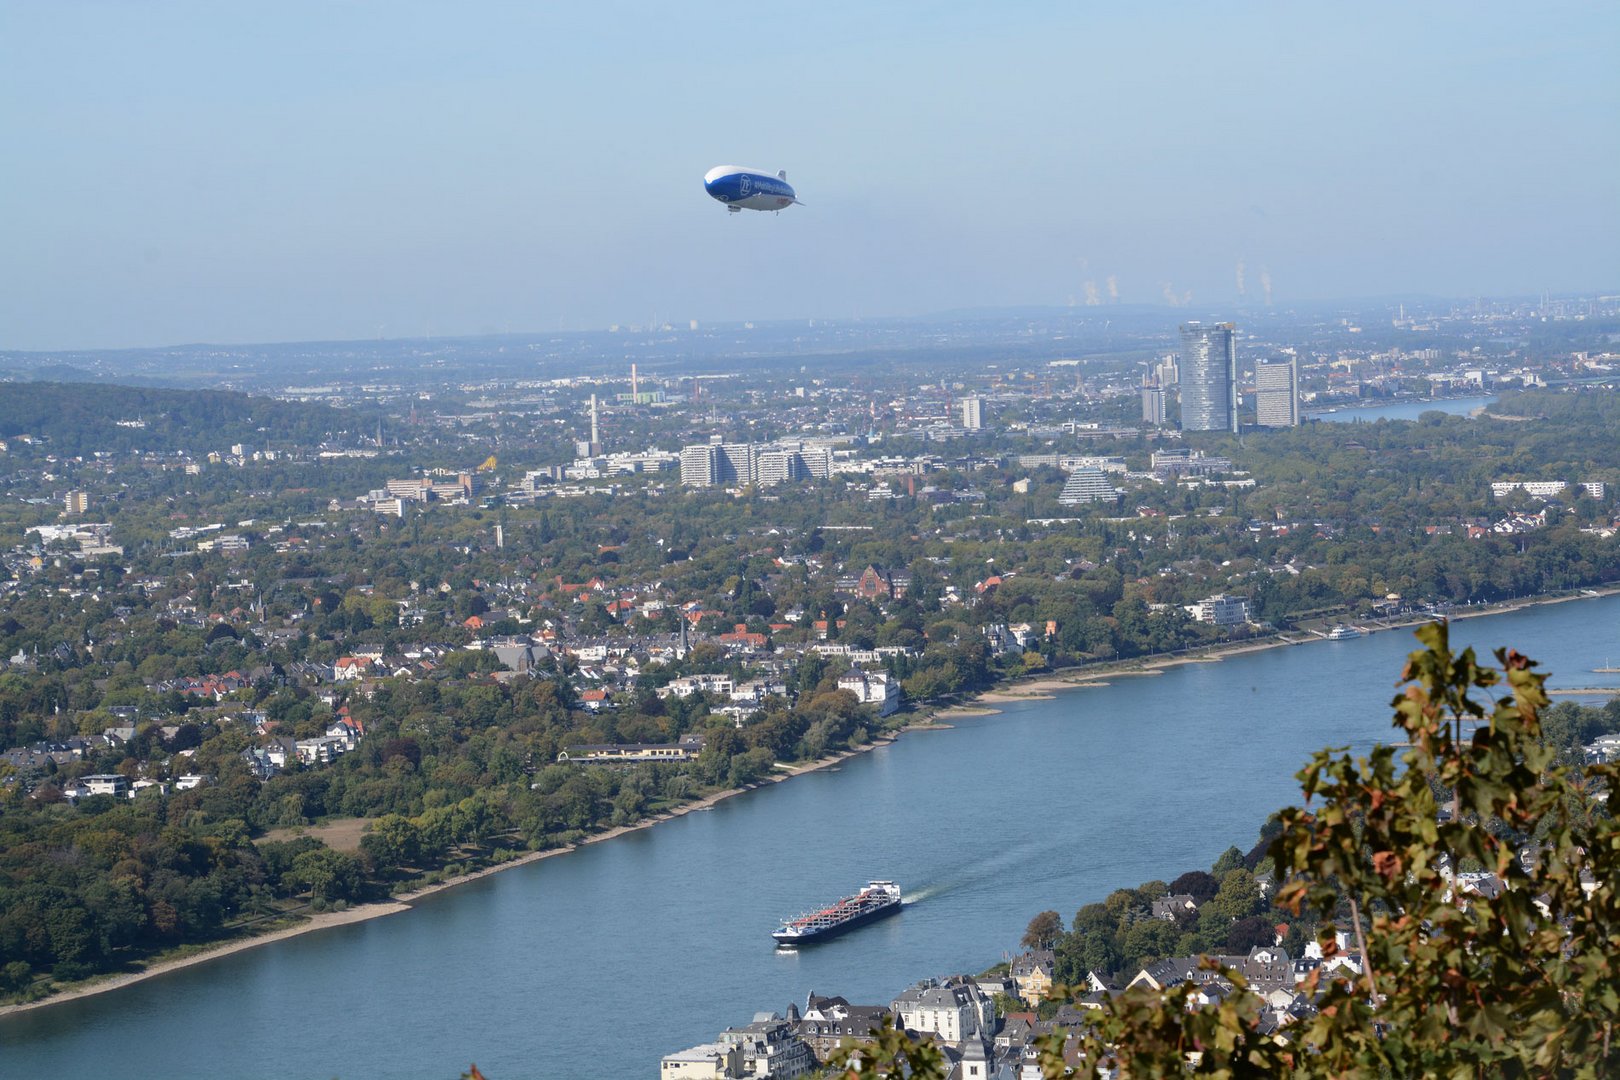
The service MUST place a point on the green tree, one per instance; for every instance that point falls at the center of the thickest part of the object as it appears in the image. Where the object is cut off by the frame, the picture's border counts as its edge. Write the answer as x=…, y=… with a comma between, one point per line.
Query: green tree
x=1230, y=860
x=1043, y=931
x=328, y=875
x=394, y=840
x=16, y=976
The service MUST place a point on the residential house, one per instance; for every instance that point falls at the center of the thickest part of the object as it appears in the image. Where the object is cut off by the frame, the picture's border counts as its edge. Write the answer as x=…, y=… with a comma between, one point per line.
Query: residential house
x=347, y=729
x=1174, y=906
x=756, y=691
x=739, y=639
x=828, y=1021
x=350, y=668
x=954, y=1010
x=770, y=1047
x=107, y=784
x=1265, y=968
x=687, y=685
x=321, y=751
x=1032, y=975
x=876, y=688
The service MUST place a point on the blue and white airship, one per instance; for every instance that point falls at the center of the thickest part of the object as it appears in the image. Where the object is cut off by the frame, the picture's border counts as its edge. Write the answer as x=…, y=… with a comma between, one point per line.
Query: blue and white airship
x=748, y=189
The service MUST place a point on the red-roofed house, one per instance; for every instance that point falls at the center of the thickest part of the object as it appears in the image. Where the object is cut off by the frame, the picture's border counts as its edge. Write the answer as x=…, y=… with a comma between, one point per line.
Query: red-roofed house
x=350, y=667
x=739, y=636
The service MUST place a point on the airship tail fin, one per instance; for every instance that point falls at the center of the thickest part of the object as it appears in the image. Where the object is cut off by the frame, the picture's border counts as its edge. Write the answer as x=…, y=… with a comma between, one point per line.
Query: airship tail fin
x=782, y=174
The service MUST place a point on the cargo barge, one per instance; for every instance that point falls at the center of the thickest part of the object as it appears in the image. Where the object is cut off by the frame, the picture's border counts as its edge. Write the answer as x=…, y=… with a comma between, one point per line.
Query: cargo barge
x=878, y=899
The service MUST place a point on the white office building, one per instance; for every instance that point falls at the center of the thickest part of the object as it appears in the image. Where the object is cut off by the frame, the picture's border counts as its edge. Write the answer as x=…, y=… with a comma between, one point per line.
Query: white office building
x=1276, y=394
x=972, y=413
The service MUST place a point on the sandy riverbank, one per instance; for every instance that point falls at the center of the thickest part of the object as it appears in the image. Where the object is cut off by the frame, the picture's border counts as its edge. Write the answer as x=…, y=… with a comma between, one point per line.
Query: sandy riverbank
x=322, y=921
x=363, y=912
x=1043, y=687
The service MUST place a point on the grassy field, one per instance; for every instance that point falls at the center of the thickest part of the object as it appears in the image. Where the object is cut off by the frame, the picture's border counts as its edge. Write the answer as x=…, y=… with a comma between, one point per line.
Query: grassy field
x=341, y=835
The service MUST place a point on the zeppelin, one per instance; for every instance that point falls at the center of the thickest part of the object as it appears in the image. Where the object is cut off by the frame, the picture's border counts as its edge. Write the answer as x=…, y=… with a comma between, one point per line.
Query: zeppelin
x=748, y=189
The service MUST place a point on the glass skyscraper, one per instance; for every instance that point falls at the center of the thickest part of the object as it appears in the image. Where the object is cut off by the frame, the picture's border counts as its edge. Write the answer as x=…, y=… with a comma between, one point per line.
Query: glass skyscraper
x=1209, y=385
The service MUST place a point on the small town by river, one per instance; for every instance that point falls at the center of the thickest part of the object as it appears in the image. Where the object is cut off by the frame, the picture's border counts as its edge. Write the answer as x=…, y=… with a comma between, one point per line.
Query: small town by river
x=595, y=963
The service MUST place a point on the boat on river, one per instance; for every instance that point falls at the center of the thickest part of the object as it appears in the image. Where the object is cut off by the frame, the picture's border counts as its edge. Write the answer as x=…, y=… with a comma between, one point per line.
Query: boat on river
x=876, y=900
x=1343, y=632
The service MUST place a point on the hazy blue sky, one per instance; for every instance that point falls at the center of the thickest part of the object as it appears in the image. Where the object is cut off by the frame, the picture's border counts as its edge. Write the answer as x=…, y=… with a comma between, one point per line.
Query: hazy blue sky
x=179, y=172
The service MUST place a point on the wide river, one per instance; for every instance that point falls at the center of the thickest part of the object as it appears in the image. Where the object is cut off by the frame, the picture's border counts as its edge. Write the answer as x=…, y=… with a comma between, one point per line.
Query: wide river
x=1402, y=410
x=595, y=963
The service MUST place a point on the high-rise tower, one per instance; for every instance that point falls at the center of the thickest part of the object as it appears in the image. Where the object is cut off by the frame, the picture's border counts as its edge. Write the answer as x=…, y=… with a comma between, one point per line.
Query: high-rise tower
x=1152, y=401
x=972, y=413
x=1209, y=386
x=1276, y=394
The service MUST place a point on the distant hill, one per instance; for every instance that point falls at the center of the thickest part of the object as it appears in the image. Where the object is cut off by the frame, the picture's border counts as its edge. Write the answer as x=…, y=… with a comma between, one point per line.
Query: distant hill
x=81, y=418
x=53, y=372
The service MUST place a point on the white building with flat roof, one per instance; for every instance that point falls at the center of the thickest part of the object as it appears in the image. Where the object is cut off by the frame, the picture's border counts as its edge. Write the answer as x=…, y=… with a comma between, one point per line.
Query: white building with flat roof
x=1221, y=610
x=972, y=413
x=706, y=1061
x=1276, y=394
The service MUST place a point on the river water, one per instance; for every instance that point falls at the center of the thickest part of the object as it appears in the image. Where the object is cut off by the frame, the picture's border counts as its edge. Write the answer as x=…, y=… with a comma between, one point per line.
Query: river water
x=595, y=963
x=1402, y=410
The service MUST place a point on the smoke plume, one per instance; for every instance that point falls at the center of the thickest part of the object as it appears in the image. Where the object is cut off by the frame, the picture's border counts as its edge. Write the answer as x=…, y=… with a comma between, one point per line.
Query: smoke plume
x=1265, y=284
x=1241, y=290
x=1113, y=289
x=1092, y=299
